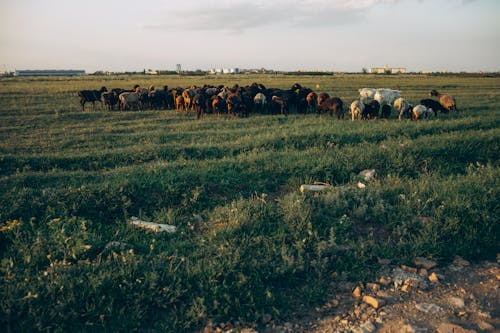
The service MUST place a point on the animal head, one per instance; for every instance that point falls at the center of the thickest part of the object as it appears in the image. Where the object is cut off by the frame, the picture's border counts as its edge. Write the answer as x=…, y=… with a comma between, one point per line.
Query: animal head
x=433, y=93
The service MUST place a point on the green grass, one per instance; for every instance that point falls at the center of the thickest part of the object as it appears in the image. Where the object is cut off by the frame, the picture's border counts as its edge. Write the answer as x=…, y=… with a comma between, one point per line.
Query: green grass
x=71, y=180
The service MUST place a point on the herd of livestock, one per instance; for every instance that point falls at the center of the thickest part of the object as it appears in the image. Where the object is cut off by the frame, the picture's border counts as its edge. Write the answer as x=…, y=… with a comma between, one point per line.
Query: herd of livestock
x=243, y=101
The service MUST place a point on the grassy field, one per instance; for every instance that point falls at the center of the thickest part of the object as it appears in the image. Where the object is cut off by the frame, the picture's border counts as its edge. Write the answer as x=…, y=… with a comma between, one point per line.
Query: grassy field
x=248, y=243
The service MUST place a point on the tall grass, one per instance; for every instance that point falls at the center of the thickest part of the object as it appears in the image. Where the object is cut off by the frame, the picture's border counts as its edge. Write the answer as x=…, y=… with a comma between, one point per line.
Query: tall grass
x=247, y=242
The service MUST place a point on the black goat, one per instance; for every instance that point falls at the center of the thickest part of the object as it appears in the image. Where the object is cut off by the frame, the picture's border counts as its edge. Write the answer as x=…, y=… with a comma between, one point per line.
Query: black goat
x=91, y=96
x=434, y=105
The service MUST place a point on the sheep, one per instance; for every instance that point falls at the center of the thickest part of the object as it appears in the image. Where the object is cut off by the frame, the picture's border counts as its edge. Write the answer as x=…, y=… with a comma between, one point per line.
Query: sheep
x=129, y=99
x=402, y=107
x=447, y=101
x=420, y=111
x=367, y=94
x=260, y=102
x=357, y=109
x=386, y=96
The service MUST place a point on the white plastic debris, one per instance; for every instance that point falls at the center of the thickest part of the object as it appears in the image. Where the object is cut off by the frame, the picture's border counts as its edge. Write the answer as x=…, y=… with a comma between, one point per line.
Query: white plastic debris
x=367, y=174
x=314, y=188
x=156, y=227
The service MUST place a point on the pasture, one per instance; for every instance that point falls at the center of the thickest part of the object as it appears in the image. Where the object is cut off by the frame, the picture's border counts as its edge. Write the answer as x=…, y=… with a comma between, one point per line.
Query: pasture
x=247, y=243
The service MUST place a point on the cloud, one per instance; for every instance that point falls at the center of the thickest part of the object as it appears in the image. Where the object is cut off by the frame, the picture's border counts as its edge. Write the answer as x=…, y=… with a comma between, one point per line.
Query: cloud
x=238, y=16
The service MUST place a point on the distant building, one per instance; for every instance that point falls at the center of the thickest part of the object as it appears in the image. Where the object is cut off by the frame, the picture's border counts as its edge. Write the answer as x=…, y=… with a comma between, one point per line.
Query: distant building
x=178, y=68
x=49, y=72
x=150, y=72
x=386, y=70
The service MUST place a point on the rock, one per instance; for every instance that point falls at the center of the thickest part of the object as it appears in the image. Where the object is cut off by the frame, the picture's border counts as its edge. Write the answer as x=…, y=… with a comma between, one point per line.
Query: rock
x=360, y=185
x=434, y=278
x=385, y=281
x=367, y=174
x=485, y=326
x=459, y=261
x=399, y=277
x=452, y=328
x=374, y=302
x=367, y=327
x=357, y=292
x=409, y=269
x=412, y=329
x=423, y=272
x=373, y=286
x=482, y=314
x=430, y=308
x=425, y=263
x=456, y=302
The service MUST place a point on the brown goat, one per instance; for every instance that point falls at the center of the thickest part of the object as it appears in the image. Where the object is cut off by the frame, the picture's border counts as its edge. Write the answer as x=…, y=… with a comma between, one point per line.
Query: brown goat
x=447, y=101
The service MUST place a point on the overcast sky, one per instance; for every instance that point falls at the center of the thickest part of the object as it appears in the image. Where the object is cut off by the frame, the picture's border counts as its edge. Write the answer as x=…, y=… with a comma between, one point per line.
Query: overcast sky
x=340, y=35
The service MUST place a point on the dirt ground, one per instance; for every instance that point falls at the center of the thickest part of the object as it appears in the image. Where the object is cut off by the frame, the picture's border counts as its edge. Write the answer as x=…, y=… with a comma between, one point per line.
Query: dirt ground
x=460, y=297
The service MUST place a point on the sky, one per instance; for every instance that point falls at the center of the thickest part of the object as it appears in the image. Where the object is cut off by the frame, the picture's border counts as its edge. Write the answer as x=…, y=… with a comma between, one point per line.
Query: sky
x=331, y=35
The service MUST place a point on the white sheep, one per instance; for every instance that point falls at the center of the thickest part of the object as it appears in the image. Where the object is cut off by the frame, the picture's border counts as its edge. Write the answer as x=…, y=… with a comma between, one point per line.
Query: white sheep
x=420, y=111
x=402, y=107
x=367, y=94
x=357, y=108
x=386, y=96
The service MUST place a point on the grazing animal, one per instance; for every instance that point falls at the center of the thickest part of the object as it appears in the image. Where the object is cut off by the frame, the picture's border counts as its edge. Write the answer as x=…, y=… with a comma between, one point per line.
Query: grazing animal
x=386, y=96
x=199, y=103
x=386, y=111
x=179, y=103
x=260, y=102
x=402, y=107
x=111, y=98
x=334, y=105
x=233, y=101
x=357, y=109
x=91, y=96
x=447, y=101
x=321, y=97
x=434, y=105
x=420, y=111
x=367, y=95
x=312, y=102
x=218, y=105
x=371, y=110
x=281, y=103
x=129, y=99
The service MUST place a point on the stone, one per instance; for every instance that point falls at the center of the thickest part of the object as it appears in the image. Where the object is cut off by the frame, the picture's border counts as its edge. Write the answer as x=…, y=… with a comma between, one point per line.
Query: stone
x=357, y=292
x=456, y=302
x=367, y=327
x=423, y=272
x=485, y=326
x=452, y=328
x=409, y=269
x=434, y=278
x=373, y=286
x=459, y=261
x=425, y=263
x=412, y=329
x=374, y=302
x=430, y=308
x=385, y=281
x=367, y=174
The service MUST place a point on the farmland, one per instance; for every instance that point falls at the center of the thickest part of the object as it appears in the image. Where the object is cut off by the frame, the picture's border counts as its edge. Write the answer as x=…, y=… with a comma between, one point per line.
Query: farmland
x=247, y=242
